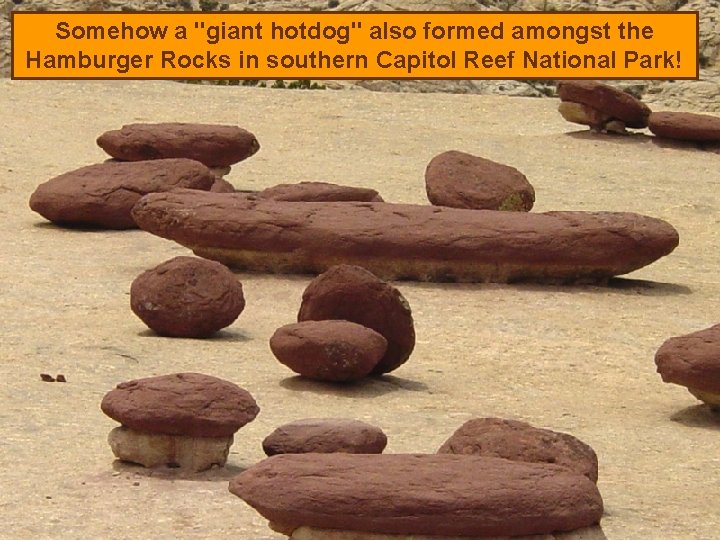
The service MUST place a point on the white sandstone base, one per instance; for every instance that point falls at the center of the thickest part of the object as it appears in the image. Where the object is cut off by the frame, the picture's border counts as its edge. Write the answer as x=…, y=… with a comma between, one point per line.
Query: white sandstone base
x=153, y=450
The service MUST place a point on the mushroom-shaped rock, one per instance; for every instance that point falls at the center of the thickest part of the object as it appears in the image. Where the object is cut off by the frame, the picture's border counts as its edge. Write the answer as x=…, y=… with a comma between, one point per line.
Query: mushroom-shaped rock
x=435, y=495
x=329, y=350
x=351, y=293
x=519, y=441
x=187, y=297
x=605, y=102
x=325, y=436
x=685, y=126
x=319, y=192
x=461, y=180
x=216, y=146
x=693, y=361
x=104, y=194
x=182, y=420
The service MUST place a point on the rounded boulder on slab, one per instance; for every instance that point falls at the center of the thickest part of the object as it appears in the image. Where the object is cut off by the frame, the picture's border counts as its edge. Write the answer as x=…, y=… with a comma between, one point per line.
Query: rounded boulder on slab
x=461, y=180
x=352, y=293
x=328, y=350
x=325, y=436
x=319, y=192
x=693, y=361
x=187, y=297
x=519, y=441
x=214, y=145
x=103, y=195
x=611, y=101
x=185, y=404
x=685, y=126
x=443, y=495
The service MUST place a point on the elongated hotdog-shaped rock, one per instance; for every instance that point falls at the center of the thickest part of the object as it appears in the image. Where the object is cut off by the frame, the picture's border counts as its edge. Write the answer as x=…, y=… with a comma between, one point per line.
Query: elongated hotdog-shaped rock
x=400, y=241
x=443, y=495
x=214, y=145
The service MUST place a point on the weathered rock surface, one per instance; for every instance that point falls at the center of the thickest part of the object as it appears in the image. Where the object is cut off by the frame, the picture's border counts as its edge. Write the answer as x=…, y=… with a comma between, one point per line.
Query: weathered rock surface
x=103, y=195
x=693, y=361
x=333, y=350
x=610, y=101
x=519, y=441
x=418, y=494
x=188, y=404
x=319, y=192
x=325, y=436
x=685, y=126
x=461, y=180
x=397, y=241
x=353, y=293
x=187, y=297
x=214, y=145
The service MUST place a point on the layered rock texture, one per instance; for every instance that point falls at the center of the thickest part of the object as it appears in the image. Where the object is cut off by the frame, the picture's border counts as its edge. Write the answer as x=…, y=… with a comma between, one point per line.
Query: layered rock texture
x=697, y=95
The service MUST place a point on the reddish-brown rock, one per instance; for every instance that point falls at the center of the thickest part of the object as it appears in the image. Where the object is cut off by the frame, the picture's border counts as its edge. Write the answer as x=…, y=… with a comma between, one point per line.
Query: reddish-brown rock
x=188, y=404
x=319, y=192
x=444, y=495
x=519, y=441
x=613, y=102
x=325, y=436
x=187, y=297
x=401, y=241
x=222, y=186
x=461, y=180
x=103, y=195
x=213, y=145
x=692, y=360
x=352, y=293
x=334, y=350
x=685, y=126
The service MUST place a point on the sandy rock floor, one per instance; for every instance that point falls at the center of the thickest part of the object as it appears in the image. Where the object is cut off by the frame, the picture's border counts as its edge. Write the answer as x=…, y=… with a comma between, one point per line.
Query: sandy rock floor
x=577, y=359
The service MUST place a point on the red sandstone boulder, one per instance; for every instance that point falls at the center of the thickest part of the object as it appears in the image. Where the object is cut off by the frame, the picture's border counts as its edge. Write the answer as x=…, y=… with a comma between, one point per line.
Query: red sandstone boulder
x=354, y=294
x=685, y=126
x=403, y=241
x=325, y=436
x=104, y=194
x=443, y=495
x=519, y=441
x=328, y=350
x=613, y=103
x=318, y=192
x=187, y=297
x=461, y=180
x=222, y=186
x=693, y=361
x=216, y=146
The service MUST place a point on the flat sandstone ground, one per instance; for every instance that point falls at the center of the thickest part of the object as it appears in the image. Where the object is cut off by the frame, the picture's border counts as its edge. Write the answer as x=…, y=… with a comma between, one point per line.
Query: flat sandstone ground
x=575, y=359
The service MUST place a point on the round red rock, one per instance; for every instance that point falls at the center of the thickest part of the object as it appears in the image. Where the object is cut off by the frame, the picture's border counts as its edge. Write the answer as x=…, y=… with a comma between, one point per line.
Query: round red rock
x=187, y=297
x=328, y=350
